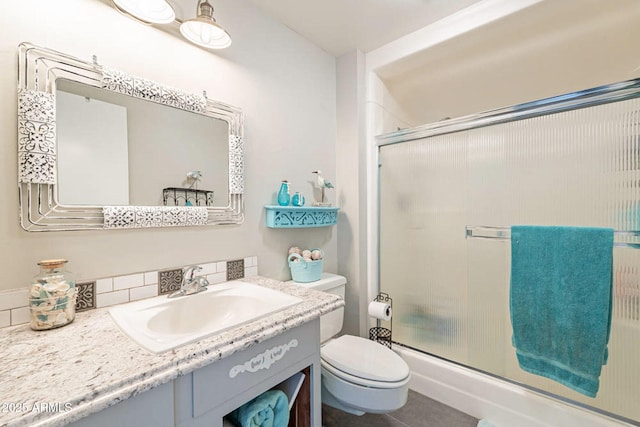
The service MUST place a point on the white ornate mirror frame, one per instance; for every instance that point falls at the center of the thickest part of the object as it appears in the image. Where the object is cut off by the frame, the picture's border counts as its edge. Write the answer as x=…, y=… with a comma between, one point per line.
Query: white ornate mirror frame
x=38, y=69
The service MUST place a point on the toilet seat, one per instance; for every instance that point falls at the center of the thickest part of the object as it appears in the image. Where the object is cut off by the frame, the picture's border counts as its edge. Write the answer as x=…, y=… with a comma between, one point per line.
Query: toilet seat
x=363, y=382
x=364, y=362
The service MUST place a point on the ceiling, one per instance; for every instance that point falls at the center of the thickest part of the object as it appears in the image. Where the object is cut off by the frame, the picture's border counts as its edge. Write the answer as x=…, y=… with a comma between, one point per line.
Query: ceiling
x=340, y=26
x=549, y=49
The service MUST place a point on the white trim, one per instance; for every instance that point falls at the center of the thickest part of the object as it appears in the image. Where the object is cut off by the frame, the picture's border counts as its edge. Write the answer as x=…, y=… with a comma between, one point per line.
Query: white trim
x=477, y=15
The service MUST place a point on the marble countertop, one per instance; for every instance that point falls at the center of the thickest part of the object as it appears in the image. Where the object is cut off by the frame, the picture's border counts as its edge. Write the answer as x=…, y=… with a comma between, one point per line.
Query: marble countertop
x=52, y=378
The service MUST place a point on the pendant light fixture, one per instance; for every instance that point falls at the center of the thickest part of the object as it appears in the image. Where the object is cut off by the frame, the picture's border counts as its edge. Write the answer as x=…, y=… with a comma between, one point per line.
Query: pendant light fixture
x=203, y=29
x=147, y=11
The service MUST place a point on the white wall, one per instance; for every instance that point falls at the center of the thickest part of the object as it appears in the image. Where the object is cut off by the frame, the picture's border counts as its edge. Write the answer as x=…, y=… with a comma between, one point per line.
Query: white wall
x=284, y=84
x=351, y=196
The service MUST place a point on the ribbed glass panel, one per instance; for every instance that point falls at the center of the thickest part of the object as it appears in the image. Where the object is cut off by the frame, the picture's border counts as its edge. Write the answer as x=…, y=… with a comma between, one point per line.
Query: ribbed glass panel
x=450, y=293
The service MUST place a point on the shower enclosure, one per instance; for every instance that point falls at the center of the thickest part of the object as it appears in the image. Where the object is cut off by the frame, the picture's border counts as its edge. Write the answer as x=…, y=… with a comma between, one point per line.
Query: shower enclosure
x=448, y=193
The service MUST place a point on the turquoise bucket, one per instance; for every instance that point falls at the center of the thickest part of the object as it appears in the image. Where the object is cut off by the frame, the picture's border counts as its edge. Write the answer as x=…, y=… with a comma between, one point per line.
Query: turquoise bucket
x=305, y=271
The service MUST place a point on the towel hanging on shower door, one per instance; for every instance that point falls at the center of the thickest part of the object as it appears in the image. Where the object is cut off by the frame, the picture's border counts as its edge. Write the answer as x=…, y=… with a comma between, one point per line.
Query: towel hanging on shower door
x=560, y=302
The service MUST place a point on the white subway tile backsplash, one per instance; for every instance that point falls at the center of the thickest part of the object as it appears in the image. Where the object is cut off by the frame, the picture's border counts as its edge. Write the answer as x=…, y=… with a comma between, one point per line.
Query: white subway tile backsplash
x=5, y=318
x=14, y=304
x=112, y=298
x=150, y=277
x=14, y=298
x=129, y=281
x=20, y=315
x=143, y=292
x=208, y=268
x=104, y=285
x=217, y=278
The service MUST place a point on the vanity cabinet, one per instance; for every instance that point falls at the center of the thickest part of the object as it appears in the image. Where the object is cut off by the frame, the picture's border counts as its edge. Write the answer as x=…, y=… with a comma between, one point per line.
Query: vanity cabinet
x=205, y=396
x=151, y=408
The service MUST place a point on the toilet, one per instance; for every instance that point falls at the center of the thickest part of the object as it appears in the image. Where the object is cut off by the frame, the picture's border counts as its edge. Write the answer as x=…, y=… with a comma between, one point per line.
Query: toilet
x=358, y=375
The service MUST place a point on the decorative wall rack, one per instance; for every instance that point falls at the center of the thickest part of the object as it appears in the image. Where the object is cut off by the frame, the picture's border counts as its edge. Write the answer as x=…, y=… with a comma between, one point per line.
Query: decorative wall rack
x=176, y=196
x=301, y=216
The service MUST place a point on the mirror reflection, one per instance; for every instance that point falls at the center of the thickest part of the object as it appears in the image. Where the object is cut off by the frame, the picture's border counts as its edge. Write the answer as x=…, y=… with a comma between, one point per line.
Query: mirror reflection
x=118, y=150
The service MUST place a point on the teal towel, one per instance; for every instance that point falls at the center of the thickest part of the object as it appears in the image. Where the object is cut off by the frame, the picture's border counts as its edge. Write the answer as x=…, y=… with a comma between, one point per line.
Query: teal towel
x=560, y=302
x=485, y=423
x=270, y=409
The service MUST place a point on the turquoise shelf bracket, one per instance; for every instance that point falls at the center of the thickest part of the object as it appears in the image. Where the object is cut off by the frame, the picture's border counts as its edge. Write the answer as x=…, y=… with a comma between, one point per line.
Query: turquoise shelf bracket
x=301, y=216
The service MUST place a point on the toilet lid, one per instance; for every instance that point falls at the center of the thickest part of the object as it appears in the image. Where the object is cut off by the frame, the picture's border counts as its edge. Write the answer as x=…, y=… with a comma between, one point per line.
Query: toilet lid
x=364, y=358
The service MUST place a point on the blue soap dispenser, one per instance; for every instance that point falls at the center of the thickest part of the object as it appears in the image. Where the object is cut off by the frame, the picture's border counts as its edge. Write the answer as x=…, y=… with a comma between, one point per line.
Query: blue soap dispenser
x=283, y=195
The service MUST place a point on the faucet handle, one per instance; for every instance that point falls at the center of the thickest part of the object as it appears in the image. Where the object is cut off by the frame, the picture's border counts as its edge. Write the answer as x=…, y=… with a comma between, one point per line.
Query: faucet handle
x=202, y=282
x=190, y=271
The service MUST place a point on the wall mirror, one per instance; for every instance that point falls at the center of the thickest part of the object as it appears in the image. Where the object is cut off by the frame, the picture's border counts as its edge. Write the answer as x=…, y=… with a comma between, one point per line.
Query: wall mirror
x=101, y=149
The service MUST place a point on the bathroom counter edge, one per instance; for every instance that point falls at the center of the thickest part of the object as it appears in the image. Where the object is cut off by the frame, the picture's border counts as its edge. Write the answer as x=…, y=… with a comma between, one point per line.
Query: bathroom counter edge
x=89, y=365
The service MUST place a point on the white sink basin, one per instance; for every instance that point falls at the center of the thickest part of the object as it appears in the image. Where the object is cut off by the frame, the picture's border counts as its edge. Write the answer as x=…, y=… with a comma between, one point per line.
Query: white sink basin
x=160, y=324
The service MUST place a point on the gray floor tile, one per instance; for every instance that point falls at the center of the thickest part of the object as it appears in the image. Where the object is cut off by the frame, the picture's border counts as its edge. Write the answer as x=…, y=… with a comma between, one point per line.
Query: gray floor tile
x=420, y=411
x=332, y=417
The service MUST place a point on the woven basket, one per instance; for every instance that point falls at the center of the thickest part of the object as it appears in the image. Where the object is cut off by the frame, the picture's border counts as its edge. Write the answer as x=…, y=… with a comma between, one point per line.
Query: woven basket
x=305, y=271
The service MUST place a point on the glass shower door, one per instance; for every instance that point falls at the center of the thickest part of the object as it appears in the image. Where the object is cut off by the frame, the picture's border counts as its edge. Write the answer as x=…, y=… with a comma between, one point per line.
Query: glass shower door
x=451, y=293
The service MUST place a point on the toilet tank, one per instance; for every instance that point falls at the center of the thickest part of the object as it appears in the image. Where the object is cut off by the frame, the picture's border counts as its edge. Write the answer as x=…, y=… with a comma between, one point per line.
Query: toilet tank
x=330, y=323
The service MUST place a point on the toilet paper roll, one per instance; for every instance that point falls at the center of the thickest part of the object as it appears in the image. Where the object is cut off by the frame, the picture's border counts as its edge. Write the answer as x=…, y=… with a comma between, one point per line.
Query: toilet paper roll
x=380, y=310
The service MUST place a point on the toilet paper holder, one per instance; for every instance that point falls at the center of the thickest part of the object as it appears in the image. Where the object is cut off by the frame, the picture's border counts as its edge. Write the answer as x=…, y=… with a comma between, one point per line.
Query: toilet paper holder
x=378, y=333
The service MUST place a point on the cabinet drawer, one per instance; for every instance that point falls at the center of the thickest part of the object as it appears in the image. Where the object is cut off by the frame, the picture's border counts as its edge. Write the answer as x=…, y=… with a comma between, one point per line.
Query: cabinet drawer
x=216, y=383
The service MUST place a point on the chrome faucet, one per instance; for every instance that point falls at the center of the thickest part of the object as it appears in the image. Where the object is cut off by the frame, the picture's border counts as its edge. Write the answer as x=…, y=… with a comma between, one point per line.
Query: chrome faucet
x=191, y=284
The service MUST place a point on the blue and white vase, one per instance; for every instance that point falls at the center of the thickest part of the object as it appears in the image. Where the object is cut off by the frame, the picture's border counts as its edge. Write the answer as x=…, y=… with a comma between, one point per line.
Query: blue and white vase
x=297, y=200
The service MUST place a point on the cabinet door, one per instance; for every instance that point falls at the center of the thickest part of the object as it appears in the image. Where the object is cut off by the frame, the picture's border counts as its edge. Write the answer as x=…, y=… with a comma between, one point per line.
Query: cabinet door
x=151, y=408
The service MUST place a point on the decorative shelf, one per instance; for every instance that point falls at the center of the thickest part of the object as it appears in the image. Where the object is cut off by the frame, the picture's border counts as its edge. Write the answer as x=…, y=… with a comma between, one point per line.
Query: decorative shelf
x=301, y=216
x=176, y=196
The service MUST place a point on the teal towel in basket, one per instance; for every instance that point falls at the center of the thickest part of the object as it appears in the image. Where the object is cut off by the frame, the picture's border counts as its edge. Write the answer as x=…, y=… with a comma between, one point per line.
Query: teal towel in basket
x=270, y=409
x=560, y=302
